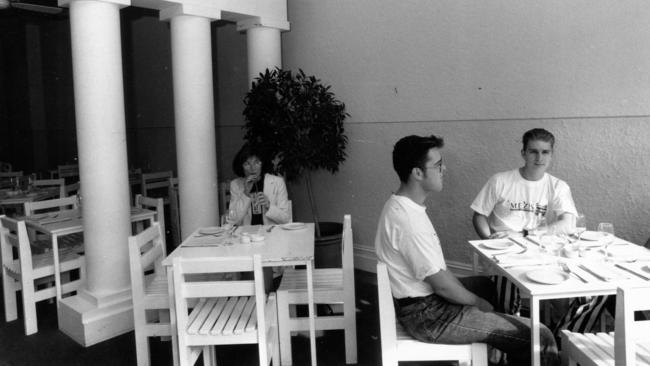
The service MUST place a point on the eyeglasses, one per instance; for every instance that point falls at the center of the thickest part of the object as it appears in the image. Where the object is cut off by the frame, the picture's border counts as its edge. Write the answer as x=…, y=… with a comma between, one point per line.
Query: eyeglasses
x=437, y=165
x=252, y=163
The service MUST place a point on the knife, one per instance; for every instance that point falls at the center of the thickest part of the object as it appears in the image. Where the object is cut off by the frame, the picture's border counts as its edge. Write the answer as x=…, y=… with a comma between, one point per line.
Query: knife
x=600, y=277
x=632, y=272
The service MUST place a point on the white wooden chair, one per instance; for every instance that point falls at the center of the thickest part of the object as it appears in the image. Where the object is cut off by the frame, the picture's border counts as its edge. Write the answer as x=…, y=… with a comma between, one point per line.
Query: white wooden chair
x=23, y=271
x=65, y=203
x=174, y=211
x=397, y=345
x=331, y=286
x=149, y=291
x=154, y=204
x=11, y=174
x=73, y=189
x=629, y=343
x=69, y=172
x=74, y=241
x=217, y=312
x=155, y=183
x=44, y=183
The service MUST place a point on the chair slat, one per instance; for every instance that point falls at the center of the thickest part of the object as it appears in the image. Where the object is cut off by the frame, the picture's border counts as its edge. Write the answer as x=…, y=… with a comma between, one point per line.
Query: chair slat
x=214, y=315
x=245, y=316
x=229, y=328
x=218, y=327
x=203, y=310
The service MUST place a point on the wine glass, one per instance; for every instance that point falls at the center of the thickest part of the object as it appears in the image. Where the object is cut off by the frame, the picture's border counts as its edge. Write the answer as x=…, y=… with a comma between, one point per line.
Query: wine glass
x=607, y=229
x=581, y=225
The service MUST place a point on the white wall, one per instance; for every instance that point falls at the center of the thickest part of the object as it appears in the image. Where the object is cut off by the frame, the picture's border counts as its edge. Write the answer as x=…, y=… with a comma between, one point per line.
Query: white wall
x=480, y=74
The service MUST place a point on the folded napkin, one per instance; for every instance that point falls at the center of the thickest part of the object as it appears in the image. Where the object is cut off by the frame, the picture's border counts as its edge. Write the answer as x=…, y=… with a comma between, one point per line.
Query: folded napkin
x=602, y=271
x=523, y=259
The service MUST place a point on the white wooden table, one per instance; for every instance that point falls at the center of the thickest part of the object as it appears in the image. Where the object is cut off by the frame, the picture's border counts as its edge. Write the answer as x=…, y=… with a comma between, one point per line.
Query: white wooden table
x=65, y=222
x=280, y=248
x=18, y=199
x=590, y=285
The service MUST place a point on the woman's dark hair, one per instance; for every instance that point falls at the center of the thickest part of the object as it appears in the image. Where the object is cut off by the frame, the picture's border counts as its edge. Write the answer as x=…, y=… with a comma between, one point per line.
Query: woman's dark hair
x=246, y=152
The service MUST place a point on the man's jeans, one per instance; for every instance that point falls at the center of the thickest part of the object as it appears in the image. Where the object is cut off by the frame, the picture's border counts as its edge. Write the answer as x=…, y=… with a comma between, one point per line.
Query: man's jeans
x=435, y=320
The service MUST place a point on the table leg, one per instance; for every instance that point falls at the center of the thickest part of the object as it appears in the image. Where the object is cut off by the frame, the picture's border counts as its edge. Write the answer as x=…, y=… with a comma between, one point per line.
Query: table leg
x=534, y=331
x=172, y=315
x=312, y=321
x=57, y=274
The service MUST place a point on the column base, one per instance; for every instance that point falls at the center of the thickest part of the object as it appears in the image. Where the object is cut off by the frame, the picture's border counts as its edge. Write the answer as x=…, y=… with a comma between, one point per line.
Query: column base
x=89, y=319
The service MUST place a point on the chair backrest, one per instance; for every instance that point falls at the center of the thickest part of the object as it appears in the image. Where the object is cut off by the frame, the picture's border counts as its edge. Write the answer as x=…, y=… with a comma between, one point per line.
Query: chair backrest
x=627, y=331
x=347, y=253
x=155, y=181
x=52, y=183
x=155, y=204
x=9, y=175
x=146, y=251
x=13, y=234
x=387, y=329
x=174, y=211
x=224, y=197
x=68, y=170
x=188, y=291
x=5, y=167
x=65, y=203
x=73, y=189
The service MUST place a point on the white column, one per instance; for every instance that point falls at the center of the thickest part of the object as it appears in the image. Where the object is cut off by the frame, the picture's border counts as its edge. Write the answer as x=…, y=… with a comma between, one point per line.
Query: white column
x=102, y=310
x=264, y=50
x=194, y=115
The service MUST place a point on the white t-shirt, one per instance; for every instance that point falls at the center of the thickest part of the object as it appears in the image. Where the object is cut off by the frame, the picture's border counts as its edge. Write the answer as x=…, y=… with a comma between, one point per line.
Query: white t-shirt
x=513, y=203
x=407, y=242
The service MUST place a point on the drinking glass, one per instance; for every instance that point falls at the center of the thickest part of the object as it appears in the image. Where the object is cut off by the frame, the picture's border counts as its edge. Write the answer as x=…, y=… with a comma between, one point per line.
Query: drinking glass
x=607, y=229
x=542, y=231
x=581, y=225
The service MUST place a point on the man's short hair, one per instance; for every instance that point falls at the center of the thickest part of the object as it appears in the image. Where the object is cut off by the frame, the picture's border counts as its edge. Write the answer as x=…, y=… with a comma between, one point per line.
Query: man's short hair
x=411, y=152
x=538, y=134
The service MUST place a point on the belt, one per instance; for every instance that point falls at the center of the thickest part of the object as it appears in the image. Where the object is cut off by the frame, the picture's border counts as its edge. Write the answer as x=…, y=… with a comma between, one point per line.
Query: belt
x=406, y=301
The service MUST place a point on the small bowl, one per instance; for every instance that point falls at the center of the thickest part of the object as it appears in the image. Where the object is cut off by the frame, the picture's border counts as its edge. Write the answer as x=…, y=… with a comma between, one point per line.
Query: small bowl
x=257, y=237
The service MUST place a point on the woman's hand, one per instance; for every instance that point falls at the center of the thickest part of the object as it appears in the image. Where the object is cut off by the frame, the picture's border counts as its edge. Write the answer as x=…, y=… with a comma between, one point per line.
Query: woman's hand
x=249, y=183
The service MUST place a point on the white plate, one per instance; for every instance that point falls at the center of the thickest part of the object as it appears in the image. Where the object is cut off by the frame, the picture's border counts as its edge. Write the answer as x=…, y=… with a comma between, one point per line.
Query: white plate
x=623, y=251
x=257, y=237
x=502, y=244
x=592, y=235
x=547, y=276
x=211, y=230
x=293, y=226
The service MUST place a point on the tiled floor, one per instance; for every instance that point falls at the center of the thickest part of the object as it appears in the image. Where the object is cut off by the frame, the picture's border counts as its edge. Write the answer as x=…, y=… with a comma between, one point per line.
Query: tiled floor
x=51, y=347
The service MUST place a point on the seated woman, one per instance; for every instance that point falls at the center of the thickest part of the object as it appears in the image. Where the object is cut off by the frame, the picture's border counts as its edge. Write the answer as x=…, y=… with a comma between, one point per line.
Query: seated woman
x=256, y=197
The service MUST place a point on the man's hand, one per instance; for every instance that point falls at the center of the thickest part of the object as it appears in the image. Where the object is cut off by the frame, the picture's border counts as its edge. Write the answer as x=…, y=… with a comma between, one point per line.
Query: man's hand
x=483, y=304
x=505, y=234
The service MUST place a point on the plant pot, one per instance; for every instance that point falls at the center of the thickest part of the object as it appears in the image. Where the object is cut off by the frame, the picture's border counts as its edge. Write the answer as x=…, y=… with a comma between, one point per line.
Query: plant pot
x=327, y=253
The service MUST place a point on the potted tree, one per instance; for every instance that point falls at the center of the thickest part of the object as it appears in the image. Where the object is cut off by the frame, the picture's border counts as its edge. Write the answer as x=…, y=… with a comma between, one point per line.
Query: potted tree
x=299, y=121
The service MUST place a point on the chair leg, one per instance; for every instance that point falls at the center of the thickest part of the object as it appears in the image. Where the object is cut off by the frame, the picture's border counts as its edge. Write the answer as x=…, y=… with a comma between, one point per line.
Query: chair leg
x=284, y=328
x=9, y=287
x=29, y=307
x=479, y=354
x=349, y=312
x=209, y=356
x=142, y=346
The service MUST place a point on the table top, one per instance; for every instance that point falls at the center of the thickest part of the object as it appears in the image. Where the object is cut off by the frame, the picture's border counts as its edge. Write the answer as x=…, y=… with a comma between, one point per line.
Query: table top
x=71, y=221
x=280, y=246
x=538, y=273
x=10, y=197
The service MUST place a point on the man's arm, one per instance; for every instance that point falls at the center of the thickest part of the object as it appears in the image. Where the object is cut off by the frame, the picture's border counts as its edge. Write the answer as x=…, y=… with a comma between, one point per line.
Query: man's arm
x=481, y=225
x=565, y=224
x=446, y=285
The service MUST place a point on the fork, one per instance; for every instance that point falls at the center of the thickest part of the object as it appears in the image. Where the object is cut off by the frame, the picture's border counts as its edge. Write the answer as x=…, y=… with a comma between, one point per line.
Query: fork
x=566, y=269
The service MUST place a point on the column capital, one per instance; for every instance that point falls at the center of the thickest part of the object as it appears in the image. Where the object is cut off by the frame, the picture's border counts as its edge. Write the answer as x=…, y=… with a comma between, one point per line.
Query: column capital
x=255, y=22
x=120, y=3
x=190, y=9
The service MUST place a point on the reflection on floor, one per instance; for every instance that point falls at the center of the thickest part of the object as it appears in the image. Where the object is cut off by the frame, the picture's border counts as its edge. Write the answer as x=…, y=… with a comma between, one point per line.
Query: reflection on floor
x=51, y=347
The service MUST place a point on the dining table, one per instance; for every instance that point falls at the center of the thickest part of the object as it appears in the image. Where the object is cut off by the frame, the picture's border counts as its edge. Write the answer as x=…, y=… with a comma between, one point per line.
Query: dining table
x=562, y=267
x=17, y=198
x=56, y=224
x=278, y=245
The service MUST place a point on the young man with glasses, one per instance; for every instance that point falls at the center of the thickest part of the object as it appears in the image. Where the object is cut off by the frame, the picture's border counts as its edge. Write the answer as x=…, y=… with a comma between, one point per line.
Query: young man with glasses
x=430, y=302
